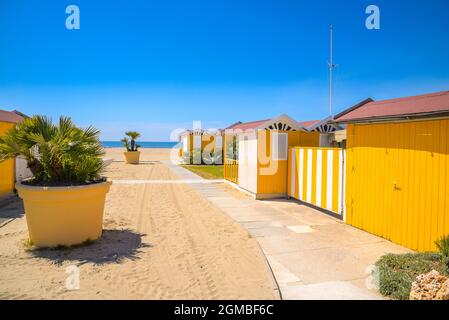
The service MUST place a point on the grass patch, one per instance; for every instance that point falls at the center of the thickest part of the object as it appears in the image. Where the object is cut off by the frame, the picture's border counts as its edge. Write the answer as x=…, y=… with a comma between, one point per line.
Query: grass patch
x=206, y=171
x=29, y=245
x=398, y=271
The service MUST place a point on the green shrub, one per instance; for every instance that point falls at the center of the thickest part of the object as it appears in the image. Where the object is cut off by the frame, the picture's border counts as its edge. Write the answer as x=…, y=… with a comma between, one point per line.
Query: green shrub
x=397, y=272
x=56, y=154
x=443, y=246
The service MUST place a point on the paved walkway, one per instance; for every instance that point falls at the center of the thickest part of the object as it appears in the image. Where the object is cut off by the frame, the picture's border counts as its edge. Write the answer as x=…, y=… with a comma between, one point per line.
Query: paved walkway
x=312, y=255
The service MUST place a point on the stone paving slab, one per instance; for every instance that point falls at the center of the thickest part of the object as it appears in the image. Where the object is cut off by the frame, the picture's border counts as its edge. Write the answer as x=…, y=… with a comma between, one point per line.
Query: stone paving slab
x=311, y=255
x=296, y=243
x=332, y=290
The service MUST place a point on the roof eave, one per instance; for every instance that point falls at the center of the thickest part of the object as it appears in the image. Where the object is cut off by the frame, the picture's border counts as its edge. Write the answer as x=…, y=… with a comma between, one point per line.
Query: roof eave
x=350, y=109
x=298, y=126
x=392, y=118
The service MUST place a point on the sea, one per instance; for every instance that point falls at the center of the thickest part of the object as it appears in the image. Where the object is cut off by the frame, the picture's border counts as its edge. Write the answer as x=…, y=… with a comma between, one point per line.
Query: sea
x=142, y=144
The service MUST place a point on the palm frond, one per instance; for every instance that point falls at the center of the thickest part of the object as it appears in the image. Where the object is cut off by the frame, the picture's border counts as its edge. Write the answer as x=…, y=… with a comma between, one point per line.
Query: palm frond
x=55, y=153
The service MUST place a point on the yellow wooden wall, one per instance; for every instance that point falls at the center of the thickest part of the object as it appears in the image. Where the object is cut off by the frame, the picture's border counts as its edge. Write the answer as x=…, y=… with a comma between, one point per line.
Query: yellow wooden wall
x=397, y=181
x=6, y=167
x=308, y=139
x=276, y=183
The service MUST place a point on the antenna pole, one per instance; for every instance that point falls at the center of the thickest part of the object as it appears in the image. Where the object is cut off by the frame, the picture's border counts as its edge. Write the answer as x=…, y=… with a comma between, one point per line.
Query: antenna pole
x=331, y=67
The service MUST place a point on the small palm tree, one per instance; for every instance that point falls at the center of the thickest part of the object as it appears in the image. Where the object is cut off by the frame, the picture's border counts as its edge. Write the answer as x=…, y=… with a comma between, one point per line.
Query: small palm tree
x=130, y=143
x=56, y=154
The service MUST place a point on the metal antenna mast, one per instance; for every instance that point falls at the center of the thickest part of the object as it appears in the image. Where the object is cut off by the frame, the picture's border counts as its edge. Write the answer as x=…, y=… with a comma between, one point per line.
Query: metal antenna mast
x=331, y=68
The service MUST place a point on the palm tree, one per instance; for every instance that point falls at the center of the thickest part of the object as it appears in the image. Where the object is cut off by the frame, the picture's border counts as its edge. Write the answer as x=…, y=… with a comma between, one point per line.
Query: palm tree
x=131, y=145
x=55, y=153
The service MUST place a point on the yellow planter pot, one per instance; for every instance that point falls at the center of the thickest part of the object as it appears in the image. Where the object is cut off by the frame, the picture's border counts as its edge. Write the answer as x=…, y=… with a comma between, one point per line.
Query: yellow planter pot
x=132, y=157
x=64, y=215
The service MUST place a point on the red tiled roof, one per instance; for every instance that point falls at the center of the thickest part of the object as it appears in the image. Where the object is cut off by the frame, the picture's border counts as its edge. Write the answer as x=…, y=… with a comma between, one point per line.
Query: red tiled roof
x=233, y=125
x=12, y=117
x=306, y=124
x=437, y=102
x=247, y=125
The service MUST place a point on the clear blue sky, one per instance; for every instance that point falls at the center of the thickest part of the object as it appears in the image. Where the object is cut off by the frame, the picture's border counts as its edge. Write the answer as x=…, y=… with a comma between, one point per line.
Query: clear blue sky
x=157, y=65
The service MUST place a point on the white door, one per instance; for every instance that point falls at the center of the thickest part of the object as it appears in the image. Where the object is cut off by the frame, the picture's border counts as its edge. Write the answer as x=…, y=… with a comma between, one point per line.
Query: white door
x=248, y=162
x=218, y=150
x=196, y=149
x=185, y=144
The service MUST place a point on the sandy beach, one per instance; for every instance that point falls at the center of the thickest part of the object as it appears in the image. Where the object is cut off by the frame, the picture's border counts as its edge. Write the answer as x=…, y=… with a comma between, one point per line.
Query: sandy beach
x=160, y=241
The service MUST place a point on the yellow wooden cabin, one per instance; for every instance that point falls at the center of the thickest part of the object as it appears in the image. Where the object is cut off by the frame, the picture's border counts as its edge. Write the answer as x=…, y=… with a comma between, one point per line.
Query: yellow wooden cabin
x=7, y=168
x=397, y=168
x=255, y=157
x=201, y=146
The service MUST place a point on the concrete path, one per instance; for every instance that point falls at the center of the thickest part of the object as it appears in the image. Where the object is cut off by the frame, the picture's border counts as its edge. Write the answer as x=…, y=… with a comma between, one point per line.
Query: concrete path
x=312, y=255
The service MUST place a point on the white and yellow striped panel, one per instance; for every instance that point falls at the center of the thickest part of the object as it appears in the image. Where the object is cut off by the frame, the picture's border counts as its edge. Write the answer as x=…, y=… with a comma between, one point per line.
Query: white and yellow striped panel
x=316, y=176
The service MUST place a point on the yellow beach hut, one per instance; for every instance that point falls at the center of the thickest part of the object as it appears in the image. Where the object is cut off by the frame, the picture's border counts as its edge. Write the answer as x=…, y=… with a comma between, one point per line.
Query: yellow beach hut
x=255, y=157
x=7, y=168
x=397, y=168
x=201, y=146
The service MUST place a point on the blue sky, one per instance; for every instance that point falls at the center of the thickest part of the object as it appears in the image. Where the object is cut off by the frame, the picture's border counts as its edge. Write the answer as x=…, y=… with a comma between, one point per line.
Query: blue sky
x=155, y=66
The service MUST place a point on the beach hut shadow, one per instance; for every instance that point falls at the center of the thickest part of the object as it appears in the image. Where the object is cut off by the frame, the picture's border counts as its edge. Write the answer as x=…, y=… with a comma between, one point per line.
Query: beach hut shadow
x=11, y=208
x=114, y=246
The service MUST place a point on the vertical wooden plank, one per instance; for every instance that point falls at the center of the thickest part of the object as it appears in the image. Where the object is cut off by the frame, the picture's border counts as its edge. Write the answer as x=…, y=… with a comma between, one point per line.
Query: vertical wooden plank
x=368, y=225
x=446, y=205
x=319, y=176
x=422, y=171
x=309, y=175
x=442, y=173
x=382, y=198
x=304, y=174
x=406, y=214
x=411, y=185
x=324, y=179
x=357, y=206
x=435, y=158
x=298, y=174
x=360, y=154
x=314, y=176
x=335, y=182
x=360, y=169
x=387, y=184
x=340, y=181
x=395, y=136
x=427, y=210
x=349, y=138
x=371, y=169
x=330, y=174
x=376, y=174
x=290, y=183
x=418, y=199
x=402, y=191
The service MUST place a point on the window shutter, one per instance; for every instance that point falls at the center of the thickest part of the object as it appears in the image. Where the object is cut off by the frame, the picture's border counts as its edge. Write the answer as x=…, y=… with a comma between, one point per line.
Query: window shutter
x=279, y=146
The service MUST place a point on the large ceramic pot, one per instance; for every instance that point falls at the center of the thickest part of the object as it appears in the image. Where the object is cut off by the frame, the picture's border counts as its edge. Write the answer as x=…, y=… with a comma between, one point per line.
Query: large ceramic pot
x=132, y=157
x=64, y=215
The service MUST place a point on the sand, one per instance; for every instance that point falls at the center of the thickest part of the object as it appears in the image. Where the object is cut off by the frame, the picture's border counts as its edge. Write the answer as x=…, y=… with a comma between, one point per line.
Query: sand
x=160, y=241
